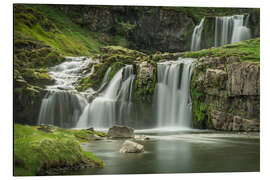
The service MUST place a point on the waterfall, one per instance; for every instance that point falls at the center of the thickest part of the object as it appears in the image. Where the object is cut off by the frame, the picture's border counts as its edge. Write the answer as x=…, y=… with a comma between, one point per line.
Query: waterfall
x=172, y=93
x=63, y=105
x=113, y=105
x=61, y=108
x=196, y=37
x=231, y=29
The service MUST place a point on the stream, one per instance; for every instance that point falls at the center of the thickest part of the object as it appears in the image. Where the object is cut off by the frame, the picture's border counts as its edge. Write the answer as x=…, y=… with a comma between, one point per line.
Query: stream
x=179, y=152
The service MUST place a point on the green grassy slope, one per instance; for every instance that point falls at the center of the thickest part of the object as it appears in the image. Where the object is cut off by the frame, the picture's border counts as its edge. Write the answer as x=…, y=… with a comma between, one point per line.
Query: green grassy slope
x=36, y=150
x=248, y=50
x=47, y=24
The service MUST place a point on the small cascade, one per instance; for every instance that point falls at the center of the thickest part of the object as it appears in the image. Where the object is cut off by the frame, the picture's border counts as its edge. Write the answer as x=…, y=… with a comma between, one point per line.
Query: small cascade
x=196, y=37
x=172, y=93
x=231, y=29
x=61, y=108
x=63, y=105
x=113, y=105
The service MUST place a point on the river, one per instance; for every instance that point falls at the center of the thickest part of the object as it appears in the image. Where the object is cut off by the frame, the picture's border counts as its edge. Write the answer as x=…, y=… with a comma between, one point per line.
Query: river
x=179, y=152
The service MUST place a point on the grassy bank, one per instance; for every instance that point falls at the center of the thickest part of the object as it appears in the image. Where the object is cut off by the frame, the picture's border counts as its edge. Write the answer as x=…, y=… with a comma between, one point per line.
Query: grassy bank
x=36, y=150
x=248, y=50
x=47, y=24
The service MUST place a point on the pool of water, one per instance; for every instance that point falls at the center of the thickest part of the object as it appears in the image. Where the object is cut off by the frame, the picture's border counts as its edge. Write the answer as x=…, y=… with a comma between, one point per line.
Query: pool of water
x=179, y=152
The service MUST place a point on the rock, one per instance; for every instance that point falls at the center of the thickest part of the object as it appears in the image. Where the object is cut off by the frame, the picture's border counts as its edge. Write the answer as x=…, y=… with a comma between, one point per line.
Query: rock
x=243, y=79
x=94, y=137
x=237, y=123
x=120, y=132
x=90, y=129
x=142, y=138
x=131, y=147
x=47, y=128
x=251, y=125
x=216, y=78
x=226, y=94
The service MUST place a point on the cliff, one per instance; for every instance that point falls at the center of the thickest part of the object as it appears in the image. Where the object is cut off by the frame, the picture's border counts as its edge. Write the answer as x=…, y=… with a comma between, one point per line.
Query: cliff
x=225, y=89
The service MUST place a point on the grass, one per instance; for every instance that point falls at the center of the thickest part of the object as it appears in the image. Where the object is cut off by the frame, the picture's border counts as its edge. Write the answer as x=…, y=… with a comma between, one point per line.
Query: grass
x=248, y=50
x=59, y=32
x=36, y=150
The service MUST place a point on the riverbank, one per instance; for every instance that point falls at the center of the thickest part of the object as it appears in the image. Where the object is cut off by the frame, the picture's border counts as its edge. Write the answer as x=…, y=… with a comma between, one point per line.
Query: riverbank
x=36, y=151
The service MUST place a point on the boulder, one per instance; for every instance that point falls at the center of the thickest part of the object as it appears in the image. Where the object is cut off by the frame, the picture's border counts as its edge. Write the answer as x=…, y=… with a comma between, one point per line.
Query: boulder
x=131, y=147
x=120, y=132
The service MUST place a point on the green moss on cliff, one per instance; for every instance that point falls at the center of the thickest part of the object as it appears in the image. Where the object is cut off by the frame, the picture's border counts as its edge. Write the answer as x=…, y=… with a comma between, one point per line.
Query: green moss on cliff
x=35, y=150
x=47, y=24
x=248, y=50
x=198, y=103
x=115, y=57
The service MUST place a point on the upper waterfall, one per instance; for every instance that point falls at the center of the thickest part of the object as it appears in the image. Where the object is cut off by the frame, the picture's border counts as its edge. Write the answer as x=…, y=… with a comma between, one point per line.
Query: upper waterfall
x=231, y=29
x=196, y=37
x=172, y=93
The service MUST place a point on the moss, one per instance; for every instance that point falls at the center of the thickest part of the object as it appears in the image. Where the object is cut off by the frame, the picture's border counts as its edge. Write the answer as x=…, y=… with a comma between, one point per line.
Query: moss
x=199, y=108
x=115, y=67
x=248, y=50
x=122, y=50
x=35, y=150
x=144, y=88
x=115, y=57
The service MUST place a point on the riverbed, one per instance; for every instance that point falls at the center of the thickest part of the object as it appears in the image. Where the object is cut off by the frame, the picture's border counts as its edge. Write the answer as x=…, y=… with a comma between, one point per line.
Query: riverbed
x=179, y=152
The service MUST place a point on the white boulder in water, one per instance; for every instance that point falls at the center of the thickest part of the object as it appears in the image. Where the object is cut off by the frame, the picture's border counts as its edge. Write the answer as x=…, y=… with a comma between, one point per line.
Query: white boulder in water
x=131, y=147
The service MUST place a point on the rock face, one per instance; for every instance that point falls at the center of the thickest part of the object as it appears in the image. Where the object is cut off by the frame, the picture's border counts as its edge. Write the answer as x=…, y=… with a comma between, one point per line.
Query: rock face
x=131, y=147
x=226, y=94
x=120, y=132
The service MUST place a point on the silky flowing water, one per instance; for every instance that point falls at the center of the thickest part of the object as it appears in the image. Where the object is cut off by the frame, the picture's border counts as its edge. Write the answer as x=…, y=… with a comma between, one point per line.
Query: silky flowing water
x=178, y=152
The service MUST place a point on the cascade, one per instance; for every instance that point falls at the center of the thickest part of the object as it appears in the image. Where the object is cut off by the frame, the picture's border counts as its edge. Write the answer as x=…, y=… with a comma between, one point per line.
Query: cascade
x=196, y=37
x=63, y=105
x=231, y=29
x=172, y=93
x=113, y=105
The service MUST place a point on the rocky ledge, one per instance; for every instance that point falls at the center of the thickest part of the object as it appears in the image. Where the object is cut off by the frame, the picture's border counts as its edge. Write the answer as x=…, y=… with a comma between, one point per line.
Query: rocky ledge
x=226, y=94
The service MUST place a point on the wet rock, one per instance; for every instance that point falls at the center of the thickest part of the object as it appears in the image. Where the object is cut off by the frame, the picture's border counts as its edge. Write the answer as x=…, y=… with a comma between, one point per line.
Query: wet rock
x=47, y=128
x=131, y=147
x=94, y=137
x=120, y=132
x=142, y=138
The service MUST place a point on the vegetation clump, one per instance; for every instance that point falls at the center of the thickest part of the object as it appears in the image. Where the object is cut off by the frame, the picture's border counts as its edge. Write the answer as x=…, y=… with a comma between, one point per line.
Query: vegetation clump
x=36, y=151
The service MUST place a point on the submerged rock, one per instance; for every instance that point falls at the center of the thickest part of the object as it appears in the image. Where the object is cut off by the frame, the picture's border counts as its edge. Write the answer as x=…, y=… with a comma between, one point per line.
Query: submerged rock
x=120, y=132
x=142, y=138
x=94, y=137
x=131, y=147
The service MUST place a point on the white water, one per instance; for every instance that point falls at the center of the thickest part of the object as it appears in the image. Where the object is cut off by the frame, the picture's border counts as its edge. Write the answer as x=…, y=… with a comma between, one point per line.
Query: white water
x=172, y=94
x=196, y=37
x=63, y=105
x=231, y=29
x=113, y=106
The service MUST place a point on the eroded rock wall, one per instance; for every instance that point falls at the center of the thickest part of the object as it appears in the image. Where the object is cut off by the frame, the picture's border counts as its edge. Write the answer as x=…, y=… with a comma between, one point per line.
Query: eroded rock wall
x=226, y=94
